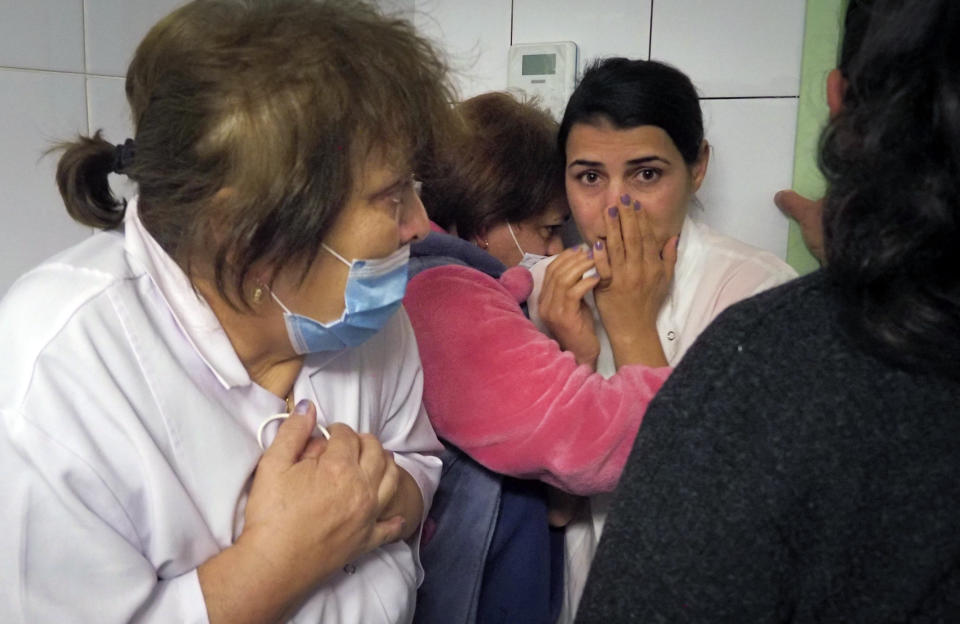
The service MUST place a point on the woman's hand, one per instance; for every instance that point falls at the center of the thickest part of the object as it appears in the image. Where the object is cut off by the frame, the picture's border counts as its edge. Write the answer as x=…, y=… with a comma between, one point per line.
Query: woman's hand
x=562, y=309
x=635, y=273
x=407, y=500
x=563, y=507
x=314, y=506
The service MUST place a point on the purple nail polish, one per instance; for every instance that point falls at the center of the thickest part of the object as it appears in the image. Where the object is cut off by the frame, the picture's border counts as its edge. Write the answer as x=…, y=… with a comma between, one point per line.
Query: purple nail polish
x=590, y=254
x=598, y=245
x=625, y=200
x=302, y=407
x=636, y=205
x=613, y=211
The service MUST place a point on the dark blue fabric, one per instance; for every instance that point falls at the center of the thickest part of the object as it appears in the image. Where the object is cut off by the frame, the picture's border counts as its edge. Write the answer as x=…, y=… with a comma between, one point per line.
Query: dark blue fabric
x=520, y=581
x=439, y=249
x=491, y=556
x=456, y=540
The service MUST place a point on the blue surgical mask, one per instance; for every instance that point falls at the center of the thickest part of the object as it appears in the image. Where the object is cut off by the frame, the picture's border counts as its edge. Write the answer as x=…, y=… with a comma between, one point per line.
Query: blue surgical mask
x=375, y=289
x=528, y=259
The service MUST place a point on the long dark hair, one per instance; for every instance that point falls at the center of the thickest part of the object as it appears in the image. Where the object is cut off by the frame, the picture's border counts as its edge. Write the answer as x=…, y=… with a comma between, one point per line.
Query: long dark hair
x=892, y=162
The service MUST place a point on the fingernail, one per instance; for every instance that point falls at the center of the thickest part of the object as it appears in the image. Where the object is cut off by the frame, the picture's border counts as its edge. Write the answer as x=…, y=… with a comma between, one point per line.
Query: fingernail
x=302, y=407
x=636, y=205
x=598, y=245
x=625, y=200
x=613, y=211
x=590, y=254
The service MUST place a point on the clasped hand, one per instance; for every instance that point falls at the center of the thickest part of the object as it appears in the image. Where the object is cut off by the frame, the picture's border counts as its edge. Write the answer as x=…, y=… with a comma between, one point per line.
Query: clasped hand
x=634, y=271
x=314, y=506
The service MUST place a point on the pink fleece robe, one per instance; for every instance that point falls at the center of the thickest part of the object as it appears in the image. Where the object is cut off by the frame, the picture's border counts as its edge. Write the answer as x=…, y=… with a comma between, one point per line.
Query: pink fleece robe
x=508, y=396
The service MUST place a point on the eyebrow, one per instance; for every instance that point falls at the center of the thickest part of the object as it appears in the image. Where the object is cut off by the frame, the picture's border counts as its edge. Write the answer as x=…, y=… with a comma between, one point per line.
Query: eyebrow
x=632, y=162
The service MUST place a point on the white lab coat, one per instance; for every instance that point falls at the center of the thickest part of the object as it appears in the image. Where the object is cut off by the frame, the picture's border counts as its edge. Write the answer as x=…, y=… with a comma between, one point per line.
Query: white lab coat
x=713, y=271
x=129, y=440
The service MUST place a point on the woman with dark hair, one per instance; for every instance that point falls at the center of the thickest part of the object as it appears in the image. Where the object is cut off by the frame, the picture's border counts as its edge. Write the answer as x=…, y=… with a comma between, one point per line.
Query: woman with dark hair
x=634, y=156
x=801, y=463
x=259, y=268
x=507, y=401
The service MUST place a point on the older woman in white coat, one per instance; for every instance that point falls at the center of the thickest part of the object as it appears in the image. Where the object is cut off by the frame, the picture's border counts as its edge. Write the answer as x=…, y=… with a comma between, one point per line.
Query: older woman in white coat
x=260, y=268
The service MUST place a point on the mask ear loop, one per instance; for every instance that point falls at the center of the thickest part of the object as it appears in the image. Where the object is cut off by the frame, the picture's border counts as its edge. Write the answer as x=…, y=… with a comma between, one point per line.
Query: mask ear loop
x=336, y=255
x=515, y=241
x=280, y=303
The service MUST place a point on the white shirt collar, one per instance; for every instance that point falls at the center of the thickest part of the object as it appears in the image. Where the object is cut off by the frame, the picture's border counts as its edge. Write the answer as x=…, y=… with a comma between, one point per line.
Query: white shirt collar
x=688, y=256
x=191, y=312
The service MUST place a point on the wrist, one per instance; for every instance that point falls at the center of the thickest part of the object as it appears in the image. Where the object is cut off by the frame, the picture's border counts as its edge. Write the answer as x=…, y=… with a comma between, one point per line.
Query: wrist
x=239, y=585
x=588, y=357
x=641, y=346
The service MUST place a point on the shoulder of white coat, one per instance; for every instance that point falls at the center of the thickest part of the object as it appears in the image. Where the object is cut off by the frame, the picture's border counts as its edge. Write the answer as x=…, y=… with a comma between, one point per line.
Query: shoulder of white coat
x=739, y=257
x=394, y=343
x=46, y=299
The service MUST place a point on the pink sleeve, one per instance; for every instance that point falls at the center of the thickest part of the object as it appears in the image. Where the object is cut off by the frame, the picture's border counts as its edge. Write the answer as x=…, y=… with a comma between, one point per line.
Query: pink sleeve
x=505, y=394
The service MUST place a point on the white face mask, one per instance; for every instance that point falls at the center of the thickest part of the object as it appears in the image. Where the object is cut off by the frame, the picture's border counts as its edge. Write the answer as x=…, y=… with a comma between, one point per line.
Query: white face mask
x=528, y=259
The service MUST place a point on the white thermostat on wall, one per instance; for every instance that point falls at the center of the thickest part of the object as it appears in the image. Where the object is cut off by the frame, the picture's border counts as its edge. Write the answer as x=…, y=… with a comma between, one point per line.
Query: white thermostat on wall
x=546, y=71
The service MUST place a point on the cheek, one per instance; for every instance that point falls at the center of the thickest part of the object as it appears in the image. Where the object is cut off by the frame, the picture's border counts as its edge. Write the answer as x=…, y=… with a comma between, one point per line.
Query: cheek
x=666, y=209
x=534, y=243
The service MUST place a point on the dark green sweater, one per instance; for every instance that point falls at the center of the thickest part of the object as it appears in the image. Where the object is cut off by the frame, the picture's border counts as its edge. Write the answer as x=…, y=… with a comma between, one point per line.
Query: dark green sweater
x=783, y=475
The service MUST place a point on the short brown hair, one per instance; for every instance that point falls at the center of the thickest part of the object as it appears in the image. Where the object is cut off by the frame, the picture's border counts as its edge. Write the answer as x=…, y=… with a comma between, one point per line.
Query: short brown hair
x=505, y=168
x=275, y=102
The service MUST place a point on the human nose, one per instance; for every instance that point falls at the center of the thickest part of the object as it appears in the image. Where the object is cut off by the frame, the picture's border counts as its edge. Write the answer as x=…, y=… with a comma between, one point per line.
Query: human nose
x=415, y=225
x=615, y=190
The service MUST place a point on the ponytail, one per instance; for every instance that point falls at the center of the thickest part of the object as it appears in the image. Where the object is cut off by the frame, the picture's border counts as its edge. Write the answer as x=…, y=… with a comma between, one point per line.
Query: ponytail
x=82, y=179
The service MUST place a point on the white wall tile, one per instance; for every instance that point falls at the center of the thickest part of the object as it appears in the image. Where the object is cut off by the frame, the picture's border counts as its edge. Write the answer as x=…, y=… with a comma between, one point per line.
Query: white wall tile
x=611, y=28
x=107, y=108
x=741, y=48
x=42, y=34
x=751, y=159
x=39, y=109
x=114, y=28
x=399, y=8
x=475, y=37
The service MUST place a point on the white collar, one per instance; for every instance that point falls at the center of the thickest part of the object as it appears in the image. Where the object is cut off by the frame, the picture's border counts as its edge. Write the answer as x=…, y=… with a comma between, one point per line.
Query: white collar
x=189, y=309
x=689, y=257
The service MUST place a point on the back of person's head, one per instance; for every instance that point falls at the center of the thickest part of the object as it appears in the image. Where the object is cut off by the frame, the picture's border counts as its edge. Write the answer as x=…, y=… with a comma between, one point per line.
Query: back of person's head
x=855, y=20
x=503, y=168
x=892, y=162
x=629, y=93
x=252, y=120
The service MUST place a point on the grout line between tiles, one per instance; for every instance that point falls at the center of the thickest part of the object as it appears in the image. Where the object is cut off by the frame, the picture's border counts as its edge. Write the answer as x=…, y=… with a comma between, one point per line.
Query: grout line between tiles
x=55, y=71
x=650, y=34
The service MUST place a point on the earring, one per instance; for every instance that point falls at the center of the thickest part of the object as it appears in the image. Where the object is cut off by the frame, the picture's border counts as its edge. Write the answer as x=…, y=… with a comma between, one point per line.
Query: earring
x=257, y=295
x=482, y=243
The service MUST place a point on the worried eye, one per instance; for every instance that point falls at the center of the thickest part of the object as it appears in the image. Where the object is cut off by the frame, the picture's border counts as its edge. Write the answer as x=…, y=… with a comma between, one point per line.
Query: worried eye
x=648, y=174
x=405, y=190
x=590, y=178
x=548, y=232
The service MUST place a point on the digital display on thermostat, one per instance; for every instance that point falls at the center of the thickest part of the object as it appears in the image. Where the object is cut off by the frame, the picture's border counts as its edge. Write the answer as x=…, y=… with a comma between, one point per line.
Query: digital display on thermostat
x=539, y=64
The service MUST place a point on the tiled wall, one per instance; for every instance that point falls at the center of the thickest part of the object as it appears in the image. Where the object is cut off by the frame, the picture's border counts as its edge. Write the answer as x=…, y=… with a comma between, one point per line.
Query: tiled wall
x=743, y=55
x=62, y=62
